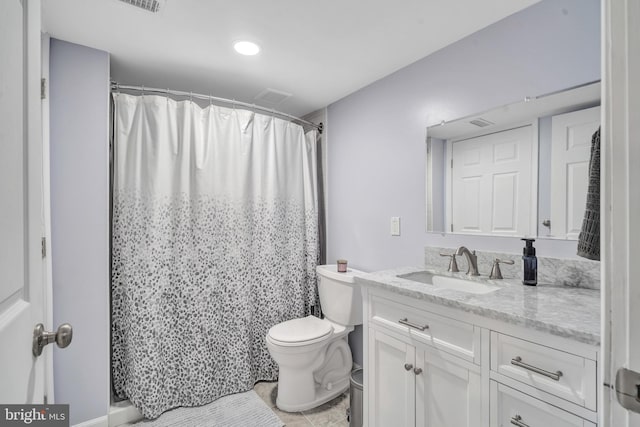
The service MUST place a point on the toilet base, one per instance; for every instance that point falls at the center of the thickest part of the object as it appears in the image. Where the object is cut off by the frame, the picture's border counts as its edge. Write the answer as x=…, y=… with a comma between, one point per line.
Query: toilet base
x=321, y=396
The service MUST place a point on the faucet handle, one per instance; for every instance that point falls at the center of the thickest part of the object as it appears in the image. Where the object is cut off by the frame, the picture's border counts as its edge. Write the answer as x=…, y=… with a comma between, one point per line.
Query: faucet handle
x=453, y=264
x=495, y=270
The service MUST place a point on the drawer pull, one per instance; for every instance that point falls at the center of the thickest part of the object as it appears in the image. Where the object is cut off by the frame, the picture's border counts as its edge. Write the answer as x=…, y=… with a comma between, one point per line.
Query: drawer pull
x=405, y=321
x=408, y=366
x=553, y=375
x=517, y=421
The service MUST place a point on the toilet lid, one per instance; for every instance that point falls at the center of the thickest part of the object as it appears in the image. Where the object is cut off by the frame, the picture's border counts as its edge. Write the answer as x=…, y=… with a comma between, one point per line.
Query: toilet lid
x=300, y=330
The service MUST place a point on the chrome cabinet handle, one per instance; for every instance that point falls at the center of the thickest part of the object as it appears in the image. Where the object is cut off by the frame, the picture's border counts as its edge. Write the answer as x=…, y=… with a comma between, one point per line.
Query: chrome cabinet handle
x=517, y=361
x=408, y=366
x=62, y=337
x=517, y=421
x=405, y=321
x=417, y=371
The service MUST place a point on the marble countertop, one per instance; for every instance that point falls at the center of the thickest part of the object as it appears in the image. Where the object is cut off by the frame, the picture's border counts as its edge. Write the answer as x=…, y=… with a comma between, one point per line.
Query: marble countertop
x=560, y=310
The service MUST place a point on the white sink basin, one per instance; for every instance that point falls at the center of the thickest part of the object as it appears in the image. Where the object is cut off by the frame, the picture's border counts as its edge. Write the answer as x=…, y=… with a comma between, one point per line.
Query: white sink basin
x=446, y=282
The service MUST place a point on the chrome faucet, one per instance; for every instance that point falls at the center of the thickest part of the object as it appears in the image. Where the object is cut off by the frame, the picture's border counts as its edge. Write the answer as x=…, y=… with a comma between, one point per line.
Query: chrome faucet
x=472, y=260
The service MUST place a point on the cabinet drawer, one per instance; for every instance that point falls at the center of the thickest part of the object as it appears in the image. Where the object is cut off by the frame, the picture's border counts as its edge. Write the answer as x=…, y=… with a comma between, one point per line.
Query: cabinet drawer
x=452, y=336
x=510, y=407
x=562, y=374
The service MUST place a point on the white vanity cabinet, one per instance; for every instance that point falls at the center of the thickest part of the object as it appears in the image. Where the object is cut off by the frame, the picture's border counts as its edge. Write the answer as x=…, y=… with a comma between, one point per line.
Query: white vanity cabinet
x=422, y=368
x=434, y=366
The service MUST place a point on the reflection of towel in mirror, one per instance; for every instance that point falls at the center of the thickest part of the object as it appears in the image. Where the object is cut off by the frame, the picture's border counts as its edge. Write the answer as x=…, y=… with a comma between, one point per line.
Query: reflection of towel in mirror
x=589, y=239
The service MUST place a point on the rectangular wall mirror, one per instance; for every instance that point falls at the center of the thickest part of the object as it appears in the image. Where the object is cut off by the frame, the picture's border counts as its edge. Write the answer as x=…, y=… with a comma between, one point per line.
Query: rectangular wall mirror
x=516, y=170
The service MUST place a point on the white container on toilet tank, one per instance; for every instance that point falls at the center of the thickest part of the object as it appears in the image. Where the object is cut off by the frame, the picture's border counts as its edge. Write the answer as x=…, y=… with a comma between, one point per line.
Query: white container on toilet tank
x=313, y=354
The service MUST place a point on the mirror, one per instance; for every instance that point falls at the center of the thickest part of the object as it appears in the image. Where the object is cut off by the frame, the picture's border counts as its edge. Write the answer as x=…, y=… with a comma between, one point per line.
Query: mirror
x=516, y=170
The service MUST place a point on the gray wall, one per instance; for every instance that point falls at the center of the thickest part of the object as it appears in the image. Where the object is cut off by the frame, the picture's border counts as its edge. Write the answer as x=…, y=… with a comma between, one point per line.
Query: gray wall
x=376, y=136
x=79, y=95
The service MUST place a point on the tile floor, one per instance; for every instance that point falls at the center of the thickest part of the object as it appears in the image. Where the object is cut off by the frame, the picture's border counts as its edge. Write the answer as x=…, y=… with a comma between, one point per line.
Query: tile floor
x=331, y=414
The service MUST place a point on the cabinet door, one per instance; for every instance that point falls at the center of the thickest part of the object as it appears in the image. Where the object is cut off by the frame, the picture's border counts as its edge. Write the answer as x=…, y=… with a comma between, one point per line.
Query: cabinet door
x=391, y=381
x=448, y=391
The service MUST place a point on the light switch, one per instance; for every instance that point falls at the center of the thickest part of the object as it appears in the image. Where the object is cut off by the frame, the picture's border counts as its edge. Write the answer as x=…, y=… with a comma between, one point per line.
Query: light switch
x=395, y=225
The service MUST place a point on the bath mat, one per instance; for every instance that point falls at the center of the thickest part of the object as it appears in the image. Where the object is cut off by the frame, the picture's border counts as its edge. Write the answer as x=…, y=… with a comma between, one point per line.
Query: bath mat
x=236, y=410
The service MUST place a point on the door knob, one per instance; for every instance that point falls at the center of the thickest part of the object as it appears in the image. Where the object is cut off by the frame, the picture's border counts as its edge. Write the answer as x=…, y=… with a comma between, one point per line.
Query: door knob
x=627, y=389
x=62, y=337
x=417, y=371
x=408, y=366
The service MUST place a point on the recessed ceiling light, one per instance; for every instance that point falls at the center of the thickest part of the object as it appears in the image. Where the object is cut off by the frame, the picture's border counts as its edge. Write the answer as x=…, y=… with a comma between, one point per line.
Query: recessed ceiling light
x=246, y=47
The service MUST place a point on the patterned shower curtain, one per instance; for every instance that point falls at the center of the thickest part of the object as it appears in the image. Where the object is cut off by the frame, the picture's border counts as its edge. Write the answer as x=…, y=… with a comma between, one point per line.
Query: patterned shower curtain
x=215, y=239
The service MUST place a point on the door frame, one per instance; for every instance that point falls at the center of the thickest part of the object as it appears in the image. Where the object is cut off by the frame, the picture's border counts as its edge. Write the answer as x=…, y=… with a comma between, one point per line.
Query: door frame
x=45, y=41
x=620, y=201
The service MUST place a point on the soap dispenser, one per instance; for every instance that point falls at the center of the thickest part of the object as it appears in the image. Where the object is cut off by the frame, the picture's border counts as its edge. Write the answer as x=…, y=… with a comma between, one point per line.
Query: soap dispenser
x=530, y=264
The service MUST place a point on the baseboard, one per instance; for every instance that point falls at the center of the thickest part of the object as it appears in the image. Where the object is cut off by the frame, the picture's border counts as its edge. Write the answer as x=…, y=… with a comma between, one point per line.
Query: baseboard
x=123, y=413
x=95, y=422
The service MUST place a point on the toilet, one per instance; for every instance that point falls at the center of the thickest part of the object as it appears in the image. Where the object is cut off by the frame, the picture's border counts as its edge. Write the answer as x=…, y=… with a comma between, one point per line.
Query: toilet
x=313, y=354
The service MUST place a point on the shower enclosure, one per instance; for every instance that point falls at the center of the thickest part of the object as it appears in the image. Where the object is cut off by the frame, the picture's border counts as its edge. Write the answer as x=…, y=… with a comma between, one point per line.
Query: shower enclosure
x=214, y=240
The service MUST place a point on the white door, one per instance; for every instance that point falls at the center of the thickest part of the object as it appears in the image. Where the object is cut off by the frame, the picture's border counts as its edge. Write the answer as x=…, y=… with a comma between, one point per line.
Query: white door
x=570, y=152
x=620, y=205
x=21, y=265
x=391, y=385
x=448, y=391
x=492, y=178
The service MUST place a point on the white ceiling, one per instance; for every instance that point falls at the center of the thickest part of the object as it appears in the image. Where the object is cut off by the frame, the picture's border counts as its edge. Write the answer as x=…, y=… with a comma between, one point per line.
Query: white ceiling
x=319, y=51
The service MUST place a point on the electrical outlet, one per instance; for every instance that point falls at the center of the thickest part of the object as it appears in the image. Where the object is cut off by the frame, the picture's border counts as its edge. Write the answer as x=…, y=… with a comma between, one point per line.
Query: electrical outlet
x=395, y=225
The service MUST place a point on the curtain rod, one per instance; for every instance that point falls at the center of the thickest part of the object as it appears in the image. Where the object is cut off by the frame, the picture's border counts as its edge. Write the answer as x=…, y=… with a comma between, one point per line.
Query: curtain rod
x=116, y=86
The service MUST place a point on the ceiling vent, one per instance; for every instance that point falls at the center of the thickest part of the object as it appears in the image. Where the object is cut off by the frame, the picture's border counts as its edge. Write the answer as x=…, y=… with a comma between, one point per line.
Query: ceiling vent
x=148, y=5
x=272, y=96
x=480, y=122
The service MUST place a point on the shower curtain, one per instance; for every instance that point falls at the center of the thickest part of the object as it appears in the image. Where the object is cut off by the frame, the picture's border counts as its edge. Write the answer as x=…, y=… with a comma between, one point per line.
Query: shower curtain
x=214, y=240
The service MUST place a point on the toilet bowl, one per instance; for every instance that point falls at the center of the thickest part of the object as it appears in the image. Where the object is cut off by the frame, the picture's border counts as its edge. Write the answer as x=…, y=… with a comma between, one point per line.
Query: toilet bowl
x=313, y=354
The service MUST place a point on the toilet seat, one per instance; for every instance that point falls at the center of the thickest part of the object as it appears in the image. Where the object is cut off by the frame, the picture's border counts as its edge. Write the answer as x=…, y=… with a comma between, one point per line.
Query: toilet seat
x=298, y=332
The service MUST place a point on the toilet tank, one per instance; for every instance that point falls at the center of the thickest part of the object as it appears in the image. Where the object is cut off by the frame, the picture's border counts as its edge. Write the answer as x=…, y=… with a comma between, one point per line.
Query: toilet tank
x=340, y=296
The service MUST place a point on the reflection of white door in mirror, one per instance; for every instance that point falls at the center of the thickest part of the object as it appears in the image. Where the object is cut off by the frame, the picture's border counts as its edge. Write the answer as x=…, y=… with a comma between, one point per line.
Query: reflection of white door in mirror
x=538, y=110
x=570, y=151
x=493, y=183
